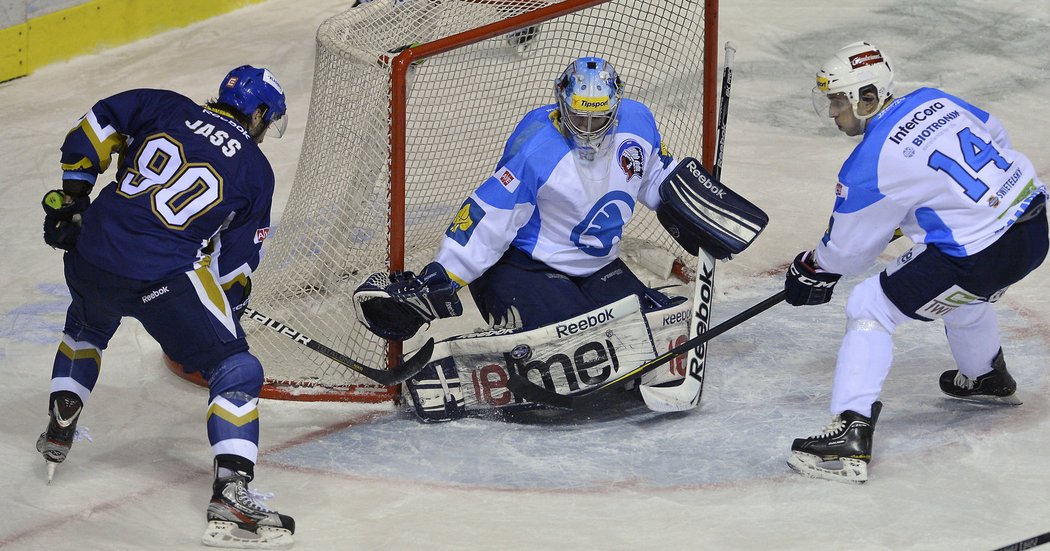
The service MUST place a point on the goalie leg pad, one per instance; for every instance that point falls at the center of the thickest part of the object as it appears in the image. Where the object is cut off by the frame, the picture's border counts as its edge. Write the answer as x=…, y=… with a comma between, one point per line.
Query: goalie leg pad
x=701, y=212
x=470, y=373
x=436, y=392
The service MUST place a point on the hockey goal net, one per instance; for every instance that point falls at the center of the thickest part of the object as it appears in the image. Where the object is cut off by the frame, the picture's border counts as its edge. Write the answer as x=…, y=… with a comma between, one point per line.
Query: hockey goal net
x=395, y=143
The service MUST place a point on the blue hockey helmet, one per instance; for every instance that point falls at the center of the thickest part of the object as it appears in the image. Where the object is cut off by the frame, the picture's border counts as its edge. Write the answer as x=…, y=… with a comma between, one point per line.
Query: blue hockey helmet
x=588, y=94
x=247, y=88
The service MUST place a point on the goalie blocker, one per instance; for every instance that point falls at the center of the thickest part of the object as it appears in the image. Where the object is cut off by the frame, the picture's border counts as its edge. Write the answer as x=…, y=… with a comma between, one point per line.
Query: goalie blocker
x=701, y=212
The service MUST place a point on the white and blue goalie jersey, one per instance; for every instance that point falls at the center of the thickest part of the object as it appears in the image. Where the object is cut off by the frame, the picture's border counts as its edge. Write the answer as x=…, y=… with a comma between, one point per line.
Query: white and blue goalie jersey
x=192, y=188
x=939, y=168
x=562, y=210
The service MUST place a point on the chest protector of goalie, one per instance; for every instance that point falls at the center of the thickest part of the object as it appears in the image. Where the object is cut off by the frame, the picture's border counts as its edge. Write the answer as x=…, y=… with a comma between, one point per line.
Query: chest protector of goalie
x=701, y=212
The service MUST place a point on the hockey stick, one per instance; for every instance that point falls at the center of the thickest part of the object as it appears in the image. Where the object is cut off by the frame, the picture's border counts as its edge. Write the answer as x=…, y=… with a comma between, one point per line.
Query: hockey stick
x=1028, y=543
x=686, y=395
x=527, y=390
x=406, y=369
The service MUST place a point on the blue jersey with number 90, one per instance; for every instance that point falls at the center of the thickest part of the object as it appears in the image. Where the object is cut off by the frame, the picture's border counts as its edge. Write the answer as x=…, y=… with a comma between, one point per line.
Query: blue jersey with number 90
x=192, y=187
x=937, y=167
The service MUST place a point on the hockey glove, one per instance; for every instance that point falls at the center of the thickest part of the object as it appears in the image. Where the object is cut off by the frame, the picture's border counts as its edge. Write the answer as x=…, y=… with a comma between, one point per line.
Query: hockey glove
x=702, y=213
x=62, y=218
x=394, y=306
x=238, y=296
x=806, y=284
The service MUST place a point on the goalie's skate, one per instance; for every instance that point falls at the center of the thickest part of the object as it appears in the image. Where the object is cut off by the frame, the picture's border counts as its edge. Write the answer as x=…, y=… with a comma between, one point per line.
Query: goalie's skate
x=236, y=519
x=996, y=386
x=842, y=450
x=55, y=442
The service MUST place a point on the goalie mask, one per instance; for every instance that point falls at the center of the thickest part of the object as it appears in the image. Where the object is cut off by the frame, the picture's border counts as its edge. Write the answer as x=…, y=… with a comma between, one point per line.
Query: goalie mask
x=588, y=95
x=857, y=71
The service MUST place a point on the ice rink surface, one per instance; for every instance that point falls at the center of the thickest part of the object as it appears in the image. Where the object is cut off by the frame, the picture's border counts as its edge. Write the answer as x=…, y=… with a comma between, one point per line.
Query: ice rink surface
x=946, y=475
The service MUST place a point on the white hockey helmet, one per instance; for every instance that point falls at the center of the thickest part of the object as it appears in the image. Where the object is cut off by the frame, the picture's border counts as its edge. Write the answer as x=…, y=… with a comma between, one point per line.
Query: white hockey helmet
x=854, y=70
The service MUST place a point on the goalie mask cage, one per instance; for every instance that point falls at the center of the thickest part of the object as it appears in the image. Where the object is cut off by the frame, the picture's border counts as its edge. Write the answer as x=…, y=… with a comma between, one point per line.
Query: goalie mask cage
x=397, y=138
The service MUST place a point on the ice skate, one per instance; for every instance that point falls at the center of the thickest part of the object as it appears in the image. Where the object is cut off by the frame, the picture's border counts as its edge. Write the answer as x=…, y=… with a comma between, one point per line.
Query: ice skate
x=995, y=387
x=236, y=519
x=842, y=450
x=55, y=442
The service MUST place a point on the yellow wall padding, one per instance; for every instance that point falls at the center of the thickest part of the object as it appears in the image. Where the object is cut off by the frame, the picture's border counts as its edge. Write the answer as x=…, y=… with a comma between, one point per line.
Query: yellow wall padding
x=96, y=25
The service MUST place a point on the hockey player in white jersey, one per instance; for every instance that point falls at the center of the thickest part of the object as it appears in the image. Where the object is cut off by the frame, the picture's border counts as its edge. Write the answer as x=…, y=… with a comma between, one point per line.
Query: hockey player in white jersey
x=538, y=241
x=944, y=172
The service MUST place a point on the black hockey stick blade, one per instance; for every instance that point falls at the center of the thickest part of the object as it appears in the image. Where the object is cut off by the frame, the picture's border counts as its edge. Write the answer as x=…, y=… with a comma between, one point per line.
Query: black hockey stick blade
x=526, y=389
x=403, y=371
x=1028, y=543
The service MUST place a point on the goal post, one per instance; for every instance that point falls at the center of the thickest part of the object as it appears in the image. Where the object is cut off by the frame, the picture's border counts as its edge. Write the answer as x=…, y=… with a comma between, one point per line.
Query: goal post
x=411, y=105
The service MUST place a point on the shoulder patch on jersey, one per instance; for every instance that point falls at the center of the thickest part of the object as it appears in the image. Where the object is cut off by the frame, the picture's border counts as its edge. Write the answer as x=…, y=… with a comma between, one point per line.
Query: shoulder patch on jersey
x=841, y=190
x=508, y=179
x=665, y=155
x=261, y=234
x=630, y=155
x=462, y=226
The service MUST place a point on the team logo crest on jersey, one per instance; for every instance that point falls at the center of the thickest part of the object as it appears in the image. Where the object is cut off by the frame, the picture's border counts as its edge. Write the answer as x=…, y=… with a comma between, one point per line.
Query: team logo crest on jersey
x=603, y=226
x=507, y=178
x=630, y=154
x=261, y=234
x=462, y=226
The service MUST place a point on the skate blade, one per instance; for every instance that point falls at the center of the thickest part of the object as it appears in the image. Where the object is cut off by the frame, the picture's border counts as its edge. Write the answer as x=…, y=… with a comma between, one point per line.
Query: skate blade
x=229, y=535
x=1011, y=400
x=847, y=470
x=50, y=471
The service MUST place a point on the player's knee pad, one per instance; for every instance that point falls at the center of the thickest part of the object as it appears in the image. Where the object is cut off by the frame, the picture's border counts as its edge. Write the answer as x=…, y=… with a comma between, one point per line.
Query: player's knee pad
x=869, y=309
x=240, y=375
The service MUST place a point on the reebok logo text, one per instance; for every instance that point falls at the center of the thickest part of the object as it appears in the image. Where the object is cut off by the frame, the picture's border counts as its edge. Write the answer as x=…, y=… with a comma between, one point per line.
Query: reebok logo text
x=155, y=294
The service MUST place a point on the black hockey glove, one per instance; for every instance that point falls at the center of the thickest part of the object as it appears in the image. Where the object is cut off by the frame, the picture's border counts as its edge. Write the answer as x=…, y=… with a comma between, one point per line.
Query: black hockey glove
x=395, y=306
x=62, y=218
x=238, y=301
x=806, y=284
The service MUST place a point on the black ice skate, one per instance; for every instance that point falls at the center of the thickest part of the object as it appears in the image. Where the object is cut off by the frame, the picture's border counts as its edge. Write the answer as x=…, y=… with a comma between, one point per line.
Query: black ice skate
x=841, y=452
x=996, y=386
x=237, y=519
x=54, y=443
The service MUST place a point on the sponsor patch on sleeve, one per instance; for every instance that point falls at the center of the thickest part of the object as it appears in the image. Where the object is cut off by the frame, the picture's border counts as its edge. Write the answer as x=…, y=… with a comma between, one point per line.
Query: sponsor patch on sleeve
x=508, y=179
x=462, y=226
x=261, y=234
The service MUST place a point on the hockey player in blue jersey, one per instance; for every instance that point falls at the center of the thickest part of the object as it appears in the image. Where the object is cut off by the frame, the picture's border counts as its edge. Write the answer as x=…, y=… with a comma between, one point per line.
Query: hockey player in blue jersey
x=944, y=172
x=172, y=242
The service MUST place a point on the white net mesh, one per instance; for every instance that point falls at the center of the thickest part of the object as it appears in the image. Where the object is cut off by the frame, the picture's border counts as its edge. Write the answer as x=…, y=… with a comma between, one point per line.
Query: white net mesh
x=462, y=105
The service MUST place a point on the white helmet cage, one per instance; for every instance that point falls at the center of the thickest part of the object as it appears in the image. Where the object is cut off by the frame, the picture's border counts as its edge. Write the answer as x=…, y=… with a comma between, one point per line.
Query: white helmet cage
x=855, y=69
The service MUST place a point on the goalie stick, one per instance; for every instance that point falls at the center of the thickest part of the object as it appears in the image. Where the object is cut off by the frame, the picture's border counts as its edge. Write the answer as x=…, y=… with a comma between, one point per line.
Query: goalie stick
x=405, y=369
x=687, y=394
x=526, y=389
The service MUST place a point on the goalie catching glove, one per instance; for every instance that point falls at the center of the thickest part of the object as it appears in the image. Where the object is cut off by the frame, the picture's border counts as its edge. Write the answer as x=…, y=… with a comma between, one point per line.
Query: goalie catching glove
x=701, y=212
x=806, y=284
x=394, y=306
